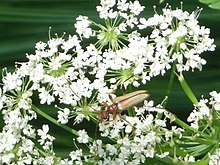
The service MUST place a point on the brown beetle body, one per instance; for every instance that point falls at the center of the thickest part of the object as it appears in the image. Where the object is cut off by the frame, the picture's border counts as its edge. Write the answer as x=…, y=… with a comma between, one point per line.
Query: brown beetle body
x=124, y=102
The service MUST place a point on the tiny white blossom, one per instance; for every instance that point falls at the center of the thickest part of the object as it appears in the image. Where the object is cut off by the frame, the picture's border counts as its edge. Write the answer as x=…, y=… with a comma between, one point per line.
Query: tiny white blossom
x=45, y=96
x=43, y=132
x=37, y=73
x=112, y=150
x=7, y=158
x=83, y=136
x=163, y=155
x=215, y=100
x=53, y=43
x=122, y=5
x=40, y=45
x=82, y=26
x=63, y=116
x=189, y=158
x=76, y=155
x=55, y=63
x=105, y=8
x=11, y=81
x=136, y=7
x=72, y=41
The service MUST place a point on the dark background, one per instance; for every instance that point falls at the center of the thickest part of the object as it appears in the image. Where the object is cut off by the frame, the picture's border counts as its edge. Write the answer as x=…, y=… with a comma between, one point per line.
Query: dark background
x=25, y=22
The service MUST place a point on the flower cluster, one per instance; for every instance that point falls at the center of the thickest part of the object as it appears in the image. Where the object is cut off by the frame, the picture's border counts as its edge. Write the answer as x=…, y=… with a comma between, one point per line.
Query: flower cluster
x=178, y=37
x=118, y=15
x=202, y=137
x=77, y=78
x=17, y=142
x=205, y=111
x=136, y=138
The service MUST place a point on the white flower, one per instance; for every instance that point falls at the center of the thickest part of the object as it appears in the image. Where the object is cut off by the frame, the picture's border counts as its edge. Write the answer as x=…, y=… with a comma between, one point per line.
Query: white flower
x=122, y=5
x=72, y=41
x=29, y=131
x=83, y=136
x=144, y=23
x=79, y=77
x=7, y=158
x=43, y=132
x=49, y=160
x=45, y=138
x=76, y=155
x=79, y=118
x=11, y=81
x=24, y=103
x=63, y=116
x=111, y=149
x=55, y=63
x=203, y=110
x=82, y=26
x=53, y=43
x=27, y=145
x=2, y=99
x=65, y=162
x=45, y=96
x=37, y=73
x=163, y=155
x=105, y=10
x=215, y=100
x=182, y=33
x=40, y=46
x=189, y=158
x=136, y=7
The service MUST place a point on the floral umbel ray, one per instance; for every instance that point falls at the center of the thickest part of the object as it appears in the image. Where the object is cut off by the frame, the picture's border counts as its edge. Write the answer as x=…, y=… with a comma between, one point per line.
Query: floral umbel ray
x=77, y=75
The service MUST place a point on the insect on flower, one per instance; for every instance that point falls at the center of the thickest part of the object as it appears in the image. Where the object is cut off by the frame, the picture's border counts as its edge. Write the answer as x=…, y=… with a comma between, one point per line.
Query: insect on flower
x=122, y=103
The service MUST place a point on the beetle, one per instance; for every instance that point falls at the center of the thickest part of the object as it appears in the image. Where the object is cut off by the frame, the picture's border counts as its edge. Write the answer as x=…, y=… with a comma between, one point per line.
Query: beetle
x=122, y=103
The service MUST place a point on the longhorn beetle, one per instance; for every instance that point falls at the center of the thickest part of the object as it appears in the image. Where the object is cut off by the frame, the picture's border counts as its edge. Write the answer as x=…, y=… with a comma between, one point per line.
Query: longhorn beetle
x=122, y=103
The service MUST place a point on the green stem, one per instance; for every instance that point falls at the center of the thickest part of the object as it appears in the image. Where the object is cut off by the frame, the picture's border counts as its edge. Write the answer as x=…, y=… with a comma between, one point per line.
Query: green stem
x=170, y=84
x=187, y=127
x=187, y=89
x=51, y=119
x=184, y=125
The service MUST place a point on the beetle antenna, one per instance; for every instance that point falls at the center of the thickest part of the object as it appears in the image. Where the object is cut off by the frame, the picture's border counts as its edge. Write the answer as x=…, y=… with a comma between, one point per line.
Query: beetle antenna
x=123, y=89
x=124, y=84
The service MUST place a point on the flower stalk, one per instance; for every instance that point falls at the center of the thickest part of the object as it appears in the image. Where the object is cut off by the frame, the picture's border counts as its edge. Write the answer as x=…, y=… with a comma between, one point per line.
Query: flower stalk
x=187, y=89
x=170, y=84
x=54, y=121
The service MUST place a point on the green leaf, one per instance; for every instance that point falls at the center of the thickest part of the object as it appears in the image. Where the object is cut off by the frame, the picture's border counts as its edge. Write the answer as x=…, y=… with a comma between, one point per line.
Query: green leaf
x=199, y=162
x=208, y=1
x=216, y=123
x=215, y=4
x=161, y=1
x=187, y=89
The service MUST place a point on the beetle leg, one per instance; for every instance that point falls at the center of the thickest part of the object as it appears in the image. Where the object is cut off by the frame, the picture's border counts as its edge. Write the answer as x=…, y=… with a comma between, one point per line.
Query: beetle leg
x=114, y=118
x=114, y=115
x=105, y=104
x=123, y=118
